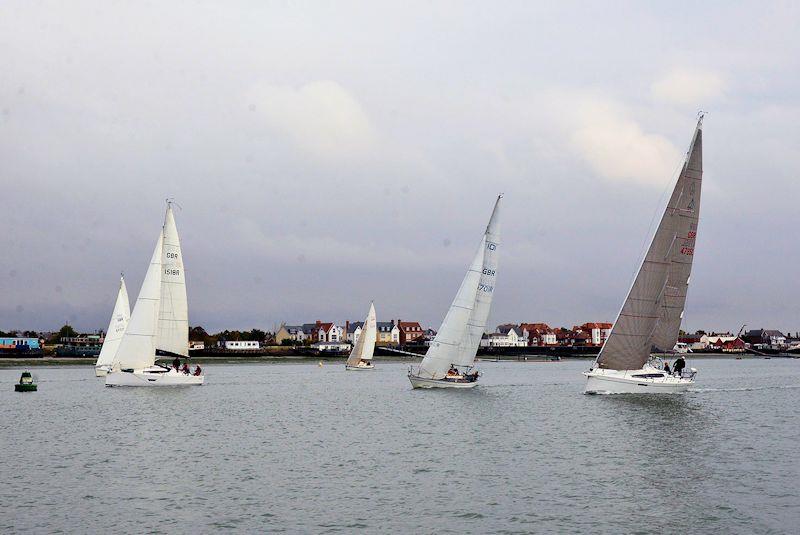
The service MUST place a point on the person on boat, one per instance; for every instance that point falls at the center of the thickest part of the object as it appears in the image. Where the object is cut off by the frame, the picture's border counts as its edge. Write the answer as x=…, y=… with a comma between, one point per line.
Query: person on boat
x=666, y=367
x=176, y=363
x=679, y=365
x=198, y=371
x=185, y=368
x=452, y=371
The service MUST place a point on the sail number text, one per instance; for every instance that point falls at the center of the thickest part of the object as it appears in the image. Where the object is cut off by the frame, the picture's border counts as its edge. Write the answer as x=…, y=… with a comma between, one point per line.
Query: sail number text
x=172, y=271
x=485, y=288
x=490, y=272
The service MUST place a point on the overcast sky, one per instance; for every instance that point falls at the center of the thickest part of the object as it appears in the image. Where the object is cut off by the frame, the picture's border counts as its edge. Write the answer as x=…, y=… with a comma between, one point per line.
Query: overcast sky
x=326, y=154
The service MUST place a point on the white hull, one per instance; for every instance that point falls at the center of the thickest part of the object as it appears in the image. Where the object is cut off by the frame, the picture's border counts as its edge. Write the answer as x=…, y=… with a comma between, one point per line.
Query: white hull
x=101, y=371
x=358, y=367
x=600, y=381
x=422, y=382
x=153, y=378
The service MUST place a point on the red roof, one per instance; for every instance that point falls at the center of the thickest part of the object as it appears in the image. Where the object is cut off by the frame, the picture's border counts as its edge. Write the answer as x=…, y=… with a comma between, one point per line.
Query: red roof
x=409, y=326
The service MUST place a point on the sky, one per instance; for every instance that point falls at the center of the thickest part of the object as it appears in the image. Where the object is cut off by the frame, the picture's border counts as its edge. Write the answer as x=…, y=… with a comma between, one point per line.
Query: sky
x=325, y=154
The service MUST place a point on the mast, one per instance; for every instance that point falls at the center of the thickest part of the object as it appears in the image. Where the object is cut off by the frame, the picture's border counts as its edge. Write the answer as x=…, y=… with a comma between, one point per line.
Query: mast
x=652, y=311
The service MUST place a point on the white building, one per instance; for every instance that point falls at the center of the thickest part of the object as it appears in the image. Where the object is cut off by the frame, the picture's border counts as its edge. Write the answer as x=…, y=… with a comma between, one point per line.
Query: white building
x=241, y=344
x=508, y=336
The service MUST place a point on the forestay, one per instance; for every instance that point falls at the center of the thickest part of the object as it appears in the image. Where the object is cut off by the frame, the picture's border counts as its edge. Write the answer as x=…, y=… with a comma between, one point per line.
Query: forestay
x=365, y=345
x=652, y=311
x=173, y=318
x=116, y=327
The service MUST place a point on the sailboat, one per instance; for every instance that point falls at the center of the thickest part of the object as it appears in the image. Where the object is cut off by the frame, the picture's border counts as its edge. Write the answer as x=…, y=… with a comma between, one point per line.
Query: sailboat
x=116, y=328
x=361, y=356
x=159, y=324
x=651, y=314
x=449, y=360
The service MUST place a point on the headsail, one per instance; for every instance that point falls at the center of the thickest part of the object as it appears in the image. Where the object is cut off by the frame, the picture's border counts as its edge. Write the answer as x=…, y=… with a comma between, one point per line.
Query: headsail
x=365, y=345
x=137, y=349
x=116, y=327
x=652, y=311
x=455, y=341
x=173, y=318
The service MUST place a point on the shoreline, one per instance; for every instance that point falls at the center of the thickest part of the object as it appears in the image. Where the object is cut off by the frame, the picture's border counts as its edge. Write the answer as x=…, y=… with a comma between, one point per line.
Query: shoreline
x=15, y=362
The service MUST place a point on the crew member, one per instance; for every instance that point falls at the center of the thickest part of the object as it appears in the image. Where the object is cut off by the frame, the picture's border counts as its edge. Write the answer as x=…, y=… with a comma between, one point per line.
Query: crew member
x=176, y=363
x=666, y=367
x=198, y=371
x=679, y=365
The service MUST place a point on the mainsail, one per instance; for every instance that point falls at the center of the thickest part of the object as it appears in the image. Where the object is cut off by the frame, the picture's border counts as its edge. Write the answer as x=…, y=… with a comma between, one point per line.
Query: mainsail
x=173, y=317
x=365, y=345
x=116, y=327
x=137, y=349
x=457, y=340
x=476, y=325
x=651, y=314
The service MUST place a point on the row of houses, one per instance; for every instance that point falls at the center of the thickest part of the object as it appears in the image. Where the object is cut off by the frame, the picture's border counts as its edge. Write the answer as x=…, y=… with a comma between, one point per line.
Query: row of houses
x=395, y=332
x=542, y=335
x=758, y=339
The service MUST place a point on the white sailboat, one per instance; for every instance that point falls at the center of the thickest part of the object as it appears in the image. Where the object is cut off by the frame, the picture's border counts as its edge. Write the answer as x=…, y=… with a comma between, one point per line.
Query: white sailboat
x=651, y=315
x=116, y=328
x=361, y=356
x=449, y=360
x=159, y=324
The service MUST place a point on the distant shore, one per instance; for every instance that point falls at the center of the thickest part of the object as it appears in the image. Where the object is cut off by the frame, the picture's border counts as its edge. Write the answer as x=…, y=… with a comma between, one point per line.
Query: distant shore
x=15, y=362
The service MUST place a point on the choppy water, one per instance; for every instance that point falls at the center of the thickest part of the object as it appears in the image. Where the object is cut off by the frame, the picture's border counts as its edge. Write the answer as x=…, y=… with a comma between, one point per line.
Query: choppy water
x=298, y=448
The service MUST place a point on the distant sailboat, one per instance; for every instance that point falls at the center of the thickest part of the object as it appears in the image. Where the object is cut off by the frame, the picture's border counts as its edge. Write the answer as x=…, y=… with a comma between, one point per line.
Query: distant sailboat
x=361, y=355
x=116, y=328
x=449, y=360
x=159, y=324
x=651, y=315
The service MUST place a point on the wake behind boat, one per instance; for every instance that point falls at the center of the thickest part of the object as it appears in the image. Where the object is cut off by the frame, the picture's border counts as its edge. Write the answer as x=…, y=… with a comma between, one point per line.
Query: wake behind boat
x=449, y=360
x=116, y=328
x=361, y=356
x=650, y=318
x=159, y=323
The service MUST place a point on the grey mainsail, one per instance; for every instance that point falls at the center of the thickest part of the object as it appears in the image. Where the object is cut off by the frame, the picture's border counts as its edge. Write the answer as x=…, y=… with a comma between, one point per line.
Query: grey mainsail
x=651, y=314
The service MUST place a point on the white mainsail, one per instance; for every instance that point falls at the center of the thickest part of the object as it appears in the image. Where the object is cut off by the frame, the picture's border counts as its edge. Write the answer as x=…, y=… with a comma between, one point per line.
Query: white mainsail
x=455, y=343
x=651, y=314
x=365, y=345
x=173, y=318
x=137, y=349
x=116, y=327
x=476, y=326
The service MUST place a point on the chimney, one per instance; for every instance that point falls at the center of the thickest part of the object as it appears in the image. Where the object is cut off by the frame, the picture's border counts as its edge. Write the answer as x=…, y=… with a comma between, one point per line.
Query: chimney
x=319, y=323
x=347, y=326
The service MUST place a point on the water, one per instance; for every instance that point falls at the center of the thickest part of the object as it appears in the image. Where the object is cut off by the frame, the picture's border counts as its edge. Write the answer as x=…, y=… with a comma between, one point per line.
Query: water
x=302, y=449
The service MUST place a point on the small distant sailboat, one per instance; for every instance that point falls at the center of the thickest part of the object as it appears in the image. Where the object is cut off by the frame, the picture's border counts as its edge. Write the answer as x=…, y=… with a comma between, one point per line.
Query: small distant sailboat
x=159, y=324
x=361, y=356
x=116, y=328
x=449, y=360
x=650, y=318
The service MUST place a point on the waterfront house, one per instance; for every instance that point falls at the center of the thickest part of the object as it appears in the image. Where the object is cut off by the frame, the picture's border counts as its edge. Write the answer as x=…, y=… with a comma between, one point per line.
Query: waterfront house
x=506, y=336
x=538, y=334
x=294, y=333
x=727, y=343
x=409, y=331
x=695, y=342
x=331, y=347
x=239, y=345
x=766, y=338
x=598, y=332
x=388, y=333
x=352, y=331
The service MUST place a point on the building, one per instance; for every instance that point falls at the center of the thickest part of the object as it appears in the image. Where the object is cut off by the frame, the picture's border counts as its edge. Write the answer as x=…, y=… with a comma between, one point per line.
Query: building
x=598, y=332
x=695, y=342
x=328, y=332
x=241, y=344
x=197, y=345
x=506, y=336
x=352, y=331
x=538, y=334
x=18, y=344
x=409, y=331
x=727, y=344
x=388, y=333
x=331, y=347
x=766, y=338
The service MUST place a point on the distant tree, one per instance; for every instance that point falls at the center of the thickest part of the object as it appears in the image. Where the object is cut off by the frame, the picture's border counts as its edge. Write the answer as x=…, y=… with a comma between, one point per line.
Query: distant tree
x=65, y=332
x=197, y=334
x=30, y=334
x=256, y=335
x=289, y=342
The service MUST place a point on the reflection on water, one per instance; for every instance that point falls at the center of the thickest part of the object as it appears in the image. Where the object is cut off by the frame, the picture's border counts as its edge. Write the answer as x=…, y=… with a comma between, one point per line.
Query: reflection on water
x=300, y=448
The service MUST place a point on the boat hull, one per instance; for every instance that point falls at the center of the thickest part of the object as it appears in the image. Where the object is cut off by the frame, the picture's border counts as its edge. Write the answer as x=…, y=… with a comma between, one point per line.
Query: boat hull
x=600, y=381
x=101, y=371
x=153, y=379
x=29, y=387
x=358, y=368
x=423, y=382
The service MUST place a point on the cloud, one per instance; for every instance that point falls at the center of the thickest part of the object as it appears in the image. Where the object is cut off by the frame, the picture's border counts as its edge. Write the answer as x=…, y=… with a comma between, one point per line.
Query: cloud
x=320, y=117
x=689, y=87
x=616, y=146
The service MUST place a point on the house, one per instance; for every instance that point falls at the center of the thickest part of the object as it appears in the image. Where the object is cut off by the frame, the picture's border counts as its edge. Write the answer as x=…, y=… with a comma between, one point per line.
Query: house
x=388, y=333
x=598, y=332
x=409, y=331
x=695, y=342
x=506, y=336
x=538, y=334
x=328, y=332
x=763, y=338
x=292, y=332
x=727, y=344
x=239, y=345
x=352, y=331
x=331, y=347
x=196, y=345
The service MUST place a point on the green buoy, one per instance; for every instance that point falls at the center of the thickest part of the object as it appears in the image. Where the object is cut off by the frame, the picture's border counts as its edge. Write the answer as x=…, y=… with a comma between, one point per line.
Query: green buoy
x=25, y=384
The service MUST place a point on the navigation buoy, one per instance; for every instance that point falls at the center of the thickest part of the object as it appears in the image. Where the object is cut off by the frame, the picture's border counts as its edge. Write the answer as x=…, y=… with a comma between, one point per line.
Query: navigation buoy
x=25, y=384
